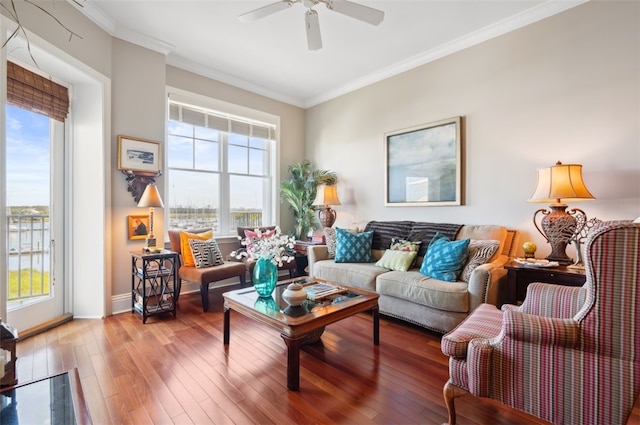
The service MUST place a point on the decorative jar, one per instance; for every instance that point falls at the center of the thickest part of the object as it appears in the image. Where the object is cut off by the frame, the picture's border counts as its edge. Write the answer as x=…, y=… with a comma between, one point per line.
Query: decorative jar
x=265, y=276
x=294, y=294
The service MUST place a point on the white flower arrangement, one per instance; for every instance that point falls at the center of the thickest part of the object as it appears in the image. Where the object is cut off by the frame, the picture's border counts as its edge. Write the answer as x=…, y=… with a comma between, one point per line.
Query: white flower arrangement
x=276, y=247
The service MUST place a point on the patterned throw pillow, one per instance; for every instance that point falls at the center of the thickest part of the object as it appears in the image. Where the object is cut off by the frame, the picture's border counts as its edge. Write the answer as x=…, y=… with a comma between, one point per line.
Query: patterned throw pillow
x=398, y=244
x=330, y=239
x=397, y=260
x=252, y=235
x=445, y=258
x=480, y=252
x=205, y=253
x=404, y=245
x=352, y=248
x=185, y=248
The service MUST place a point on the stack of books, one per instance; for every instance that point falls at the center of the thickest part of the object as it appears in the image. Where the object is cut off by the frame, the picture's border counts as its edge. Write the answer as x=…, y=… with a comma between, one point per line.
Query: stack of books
x=322, y=290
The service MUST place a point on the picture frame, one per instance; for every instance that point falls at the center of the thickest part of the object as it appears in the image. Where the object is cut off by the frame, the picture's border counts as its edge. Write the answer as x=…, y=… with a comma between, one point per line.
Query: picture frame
x=424, y=165
x=138, y=226
x=135, y=154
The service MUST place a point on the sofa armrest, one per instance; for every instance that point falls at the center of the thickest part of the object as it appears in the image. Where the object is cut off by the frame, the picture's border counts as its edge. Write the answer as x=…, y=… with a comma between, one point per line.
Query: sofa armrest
x=485, y=283
x=316, y=253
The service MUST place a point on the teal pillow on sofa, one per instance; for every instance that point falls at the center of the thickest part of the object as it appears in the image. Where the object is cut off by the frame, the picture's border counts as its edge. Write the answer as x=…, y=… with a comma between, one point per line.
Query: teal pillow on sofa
x=445, y=259
x=352, y=248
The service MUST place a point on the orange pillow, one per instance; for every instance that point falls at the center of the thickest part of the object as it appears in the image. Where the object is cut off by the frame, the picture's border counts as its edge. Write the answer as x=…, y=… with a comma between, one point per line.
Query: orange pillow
x=187, y=256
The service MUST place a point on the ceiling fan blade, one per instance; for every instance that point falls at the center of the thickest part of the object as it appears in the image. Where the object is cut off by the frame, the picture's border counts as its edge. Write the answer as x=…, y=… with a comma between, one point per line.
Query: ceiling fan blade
x=358, y=11
x=267, y=10
x=314, y=38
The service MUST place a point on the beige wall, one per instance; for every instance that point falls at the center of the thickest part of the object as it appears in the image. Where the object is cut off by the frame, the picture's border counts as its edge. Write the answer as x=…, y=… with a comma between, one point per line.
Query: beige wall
x=566, y=88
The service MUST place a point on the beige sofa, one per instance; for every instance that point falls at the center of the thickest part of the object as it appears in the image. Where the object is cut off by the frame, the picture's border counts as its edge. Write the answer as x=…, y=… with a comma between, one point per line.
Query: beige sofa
x=412, y=296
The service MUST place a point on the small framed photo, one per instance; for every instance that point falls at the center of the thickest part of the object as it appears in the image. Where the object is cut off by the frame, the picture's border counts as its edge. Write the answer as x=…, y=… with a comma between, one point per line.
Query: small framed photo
x=424, y=165
x=138, y=226
x=138, y=154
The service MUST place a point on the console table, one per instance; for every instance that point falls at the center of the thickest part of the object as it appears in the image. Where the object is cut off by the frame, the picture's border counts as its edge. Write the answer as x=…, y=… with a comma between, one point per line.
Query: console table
x=520, y=276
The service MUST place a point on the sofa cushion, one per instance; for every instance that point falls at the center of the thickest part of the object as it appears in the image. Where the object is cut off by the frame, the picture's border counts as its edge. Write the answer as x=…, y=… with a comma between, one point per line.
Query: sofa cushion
x=480, y=252
x=397, y=260
x=360, y=275
x=352, y=248
x=384, y=231
x=185, y=248
x=420, y=289
x=205, y=253
x=445, y=258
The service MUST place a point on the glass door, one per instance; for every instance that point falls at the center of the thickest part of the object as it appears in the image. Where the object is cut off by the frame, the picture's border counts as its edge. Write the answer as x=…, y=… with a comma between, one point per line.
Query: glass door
x=35, y=209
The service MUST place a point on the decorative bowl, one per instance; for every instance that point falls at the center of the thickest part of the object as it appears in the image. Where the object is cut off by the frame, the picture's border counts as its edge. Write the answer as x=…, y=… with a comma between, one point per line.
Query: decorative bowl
x=294, y=294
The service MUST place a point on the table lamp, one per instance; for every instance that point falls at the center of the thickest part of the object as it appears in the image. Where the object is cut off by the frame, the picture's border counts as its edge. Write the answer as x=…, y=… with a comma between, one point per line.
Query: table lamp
x=558, y=184
x=326, y=195
x=150, y=199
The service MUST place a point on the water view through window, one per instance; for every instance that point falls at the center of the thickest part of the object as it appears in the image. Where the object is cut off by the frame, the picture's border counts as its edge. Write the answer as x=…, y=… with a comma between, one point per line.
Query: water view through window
x=28, y=192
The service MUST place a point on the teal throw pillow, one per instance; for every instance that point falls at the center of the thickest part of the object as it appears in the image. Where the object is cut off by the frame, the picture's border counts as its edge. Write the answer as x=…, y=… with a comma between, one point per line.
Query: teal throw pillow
x=445, y=258
x=352, y=248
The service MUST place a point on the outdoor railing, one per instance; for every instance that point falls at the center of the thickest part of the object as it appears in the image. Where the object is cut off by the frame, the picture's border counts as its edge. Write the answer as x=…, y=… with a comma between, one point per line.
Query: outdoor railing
x=199, y=219
x=28, y=261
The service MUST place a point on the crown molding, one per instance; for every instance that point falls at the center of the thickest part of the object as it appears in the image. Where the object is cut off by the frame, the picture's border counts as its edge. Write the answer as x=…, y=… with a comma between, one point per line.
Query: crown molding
x=186, y=65
x=550, y=8
x=100, y=19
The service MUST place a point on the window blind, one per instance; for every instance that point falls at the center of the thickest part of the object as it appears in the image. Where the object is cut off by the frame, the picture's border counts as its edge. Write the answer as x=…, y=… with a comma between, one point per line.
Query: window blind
x=227, y=123
x=36, y=93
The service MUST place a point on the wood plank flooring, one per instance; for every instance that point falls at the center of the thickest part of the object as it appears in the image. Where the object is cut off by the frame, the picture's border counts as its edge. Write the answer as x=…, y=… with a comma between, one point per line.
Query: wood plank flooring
x=177, y=371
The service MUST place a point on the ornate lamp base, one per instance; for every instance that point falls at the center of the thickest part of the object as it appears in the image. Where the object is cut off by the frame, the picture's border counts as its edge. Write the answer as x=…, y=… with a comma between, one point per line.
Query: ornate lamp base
x=559, y=228
x=327, y=216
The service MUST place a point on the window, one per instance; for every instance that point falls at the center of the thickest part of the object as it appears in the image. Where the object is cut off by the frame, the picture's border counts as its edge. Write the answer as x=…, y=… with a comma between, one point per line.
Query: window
x=220, y=169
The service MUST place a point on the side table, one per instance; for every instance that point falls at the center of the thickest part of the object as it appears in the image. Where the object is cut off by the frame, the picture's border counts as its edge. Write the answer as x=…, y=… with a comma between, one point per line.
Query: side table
x=520, y=276
x=154, y=283
x=300, y=247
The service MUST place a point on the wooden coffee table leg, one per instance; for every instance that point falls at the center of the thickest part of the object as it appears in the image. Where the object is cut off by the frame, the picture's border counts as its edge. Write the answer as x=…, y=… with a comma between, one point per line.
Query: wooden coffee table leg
x=293, y=361
x=227, y=317
x=376, y=325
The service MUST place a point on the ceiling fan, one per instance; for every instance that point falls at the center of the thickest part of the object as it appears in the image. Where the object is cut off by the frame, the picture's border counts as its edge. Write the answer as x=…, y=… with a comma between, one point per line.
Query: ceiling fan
x=314, y=40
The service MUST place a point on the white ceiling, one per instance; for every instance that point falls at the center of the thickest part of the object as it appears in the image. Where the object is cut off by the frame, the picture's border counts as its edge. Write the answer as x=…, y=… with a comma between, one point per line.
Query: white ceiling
x=270, y=56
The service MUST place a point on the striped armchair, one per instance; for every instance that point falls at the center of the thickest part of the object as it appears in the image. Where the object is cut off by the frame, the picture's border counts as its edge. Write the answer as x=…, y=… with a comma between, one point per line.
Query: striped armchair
x=567, y=355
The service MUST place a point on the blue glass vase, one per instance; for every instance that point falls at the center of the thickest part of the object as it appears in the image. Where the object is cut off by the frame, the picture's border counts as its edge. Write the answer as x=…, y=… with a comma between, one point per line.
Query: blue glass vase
x=265, y=277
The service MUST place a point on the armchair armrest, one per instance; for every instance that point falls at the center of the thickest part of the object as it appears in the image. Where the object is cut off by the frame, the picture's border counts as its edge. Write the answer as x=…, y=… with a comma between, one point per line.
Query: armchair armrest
x=316, y=253
x=548, y=300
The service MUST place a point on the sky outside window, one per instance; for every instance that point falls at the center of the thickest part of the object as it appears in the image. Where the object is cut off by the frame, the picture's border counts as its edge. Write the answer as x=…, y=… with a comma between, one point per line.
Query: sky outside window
x=27, y=162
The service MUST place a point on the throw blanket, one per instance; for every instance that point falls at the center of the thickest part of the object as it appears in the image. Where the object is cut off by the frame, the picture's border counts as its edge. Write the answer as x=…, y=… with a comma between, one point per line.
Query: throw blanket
x=415, y=231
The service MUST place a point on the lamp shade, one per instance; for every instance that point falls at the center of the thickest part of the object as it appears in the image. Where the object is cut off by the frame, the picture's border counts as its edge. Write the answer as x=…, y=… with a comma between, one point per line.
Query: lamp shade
x=562, y=182
x=150, y=197
x=326, y=195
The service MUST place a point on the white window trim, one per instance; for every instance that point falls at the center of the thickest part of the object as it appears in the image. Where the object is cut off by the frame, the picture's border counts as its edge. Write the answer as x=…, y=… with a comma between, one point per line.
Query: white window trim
x=197, y=100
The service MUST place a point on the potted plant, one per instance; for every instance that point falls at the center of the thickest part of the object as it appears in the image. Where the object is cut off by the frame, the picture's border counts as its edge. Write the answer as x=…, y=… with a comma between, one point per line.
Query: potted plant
x=300, y=191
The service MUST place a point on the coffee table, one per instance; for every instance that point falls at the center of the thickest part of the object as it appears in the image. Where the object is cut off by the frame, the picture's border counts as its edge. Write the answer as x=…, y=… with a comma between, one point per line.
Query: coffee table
x=301, y=324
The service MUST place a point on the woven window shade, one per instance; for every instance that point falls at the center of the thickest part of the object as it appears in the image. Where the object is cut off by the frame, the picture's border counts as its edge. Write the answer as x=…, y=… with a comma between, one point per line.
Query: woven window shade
x=35, y=93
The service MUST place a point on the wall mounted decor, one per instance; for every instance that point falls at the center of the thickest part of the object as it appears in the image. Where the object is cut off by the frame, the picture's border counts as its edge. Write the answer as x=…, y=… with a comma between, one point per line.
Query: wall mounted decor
x=424, y=165
x=138, y=226
x=138, y=154
x=139, y=160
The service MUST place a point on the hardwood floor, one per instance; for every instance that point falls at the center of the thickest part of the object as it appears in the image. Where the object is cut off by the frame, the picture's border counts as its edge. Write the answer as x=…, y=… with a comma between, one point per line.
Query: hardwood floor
x=177, y=371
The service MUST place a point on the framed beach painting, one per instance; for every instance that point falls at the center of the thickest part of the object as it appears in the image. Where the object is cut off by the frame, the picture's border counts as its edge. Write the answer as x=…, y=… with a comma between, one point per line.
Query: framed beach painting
x=138, y=154
x=424, y=165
